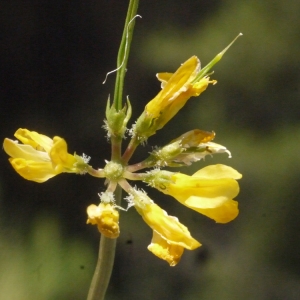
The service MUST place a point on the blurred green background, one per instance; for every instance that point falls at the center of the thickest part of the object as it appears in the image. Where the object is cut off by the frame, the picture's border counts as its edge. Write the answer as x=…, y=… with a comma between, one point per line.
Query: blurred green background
x=54, y=57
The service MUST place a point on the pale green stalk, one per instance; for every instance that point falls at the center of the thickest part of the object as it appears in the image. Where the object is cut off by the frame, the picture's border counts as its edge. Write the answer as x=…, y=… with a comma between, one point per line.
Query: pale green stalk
x=124, y=52
x=105, y=263
x=107, y=246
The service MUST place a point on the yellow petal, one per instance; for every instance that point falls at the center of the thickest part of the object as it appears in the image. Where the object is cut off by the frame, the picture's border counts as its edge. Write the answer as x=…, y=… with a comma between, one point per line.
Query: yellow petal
x=224, y=213
x=178, y=81
x=178, y=100
x=194, y=138
x=176, y=84
x=60, y=157
x=167, y=226
x=164, y=78
x=16, y=150
x=165, y=250
x=36, y=140
x=207, y=189
x=32, y=170
x=217, y=171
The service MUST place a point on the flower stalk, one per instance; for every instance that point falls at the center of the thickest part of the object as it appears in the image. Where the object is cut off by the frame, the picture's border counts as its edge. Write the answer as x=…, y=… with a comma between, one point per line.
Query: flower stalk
x=103, y=269
x=107, y=246
x=123, y=53
x=105, y=263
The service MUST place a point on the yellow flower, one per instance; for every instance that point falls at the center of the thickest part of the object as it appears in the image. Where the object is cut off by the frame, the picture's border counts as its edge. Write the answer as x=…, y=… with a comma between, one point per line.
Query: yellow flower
x=188, y=148
x=40, y=158
x=210, y=191
x=170, y=237
x=189, y=80
x=177, y=88
x=197, y=144
x=106, y=217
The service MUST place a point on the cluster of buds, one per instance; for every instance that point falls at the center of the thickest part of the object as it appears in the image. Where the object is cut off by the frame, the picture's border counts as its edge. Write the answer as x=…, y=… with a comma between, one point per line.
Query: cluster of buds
x=210, y=191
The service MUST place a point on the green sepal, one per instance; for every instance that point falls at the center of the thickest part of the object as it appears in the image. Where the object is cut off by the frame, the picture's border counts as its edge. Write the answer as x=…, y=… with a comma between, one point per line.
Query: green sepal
x=158, y=178
x=145, y=126
x=116, y=121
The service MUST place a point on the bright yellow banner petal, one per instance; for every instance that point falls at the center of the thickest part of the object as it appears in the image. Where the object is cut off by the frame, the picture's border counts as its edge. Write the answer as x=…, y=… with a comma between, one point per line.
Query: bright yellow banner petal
x=217, y=172
x=178, y=81
x=16, y=150
x=223, y=189
x=175, y=85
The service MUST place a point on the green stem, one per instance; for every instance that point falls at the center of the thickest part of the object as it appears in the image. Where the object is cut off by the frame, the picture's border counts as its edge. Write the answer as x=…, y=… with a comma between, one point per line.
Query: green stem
x=135, y=176
x=147, y=163
x=130, y=150
x=103, y=269
x=116, y=144
x=123, y=53
x=96, y=173
x=105, y=262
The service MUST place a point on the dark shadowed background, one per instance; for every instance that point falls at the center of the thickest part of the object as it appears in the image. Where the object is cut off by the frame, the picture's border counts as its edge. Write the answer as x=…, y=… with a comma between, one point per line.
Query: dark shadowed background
x=54, y=56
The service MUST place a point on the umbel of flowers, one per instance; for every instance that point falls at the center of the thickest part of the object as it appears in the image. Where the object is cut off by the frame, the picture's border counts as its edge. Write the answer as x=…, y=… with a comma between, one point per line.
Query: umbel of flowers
x=210, y=191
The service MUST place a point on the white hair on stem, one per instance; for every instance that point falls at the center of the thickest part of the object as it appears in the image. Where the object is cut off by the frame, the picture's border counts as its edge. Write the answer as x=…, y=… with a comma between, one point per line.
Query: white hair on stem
x=126, y=47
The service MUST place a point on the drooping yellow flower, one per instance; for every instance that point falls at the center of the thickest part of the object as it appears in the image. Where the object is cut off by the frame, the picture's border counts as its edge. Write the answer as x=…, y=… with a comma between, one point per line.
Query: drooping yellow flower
x=106, y=217
x=177, y=88
x=169, y=252
x=170, y=237
x=40, y=158
x=210, y=191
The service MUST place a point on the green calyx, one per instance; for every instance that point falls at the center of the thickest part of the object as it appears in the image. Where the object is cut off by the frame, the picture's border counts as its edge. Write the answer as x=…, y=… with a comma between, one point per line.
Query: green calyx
x=159, y=179
x=117, y=119
x=145, y=126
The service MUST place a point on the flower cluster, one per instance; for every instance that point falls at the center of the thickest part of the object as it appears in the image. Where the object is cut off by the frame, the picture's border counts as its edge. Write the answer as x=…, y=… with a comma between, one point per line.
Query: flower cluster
x=210, y=191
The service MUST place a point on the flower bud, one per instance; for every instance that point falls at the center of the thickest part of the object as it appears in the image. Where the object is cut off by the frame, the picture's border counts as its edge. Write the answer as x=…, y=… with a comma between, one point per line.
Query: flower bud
x=116, y=121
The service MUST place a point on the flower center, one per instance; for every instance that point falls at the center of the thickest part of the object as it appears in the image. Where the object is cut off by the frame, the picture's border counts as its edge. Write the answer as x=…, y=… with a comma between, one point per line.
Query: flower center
x=113, y=171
